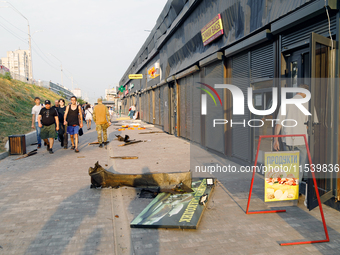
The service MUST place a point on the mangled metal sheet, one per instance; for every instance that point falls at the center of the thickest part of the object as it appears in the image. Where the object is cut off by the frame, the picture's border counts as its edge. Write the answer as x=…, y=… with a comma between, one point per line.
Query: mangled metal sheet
x=158, y=182
x=175, y=210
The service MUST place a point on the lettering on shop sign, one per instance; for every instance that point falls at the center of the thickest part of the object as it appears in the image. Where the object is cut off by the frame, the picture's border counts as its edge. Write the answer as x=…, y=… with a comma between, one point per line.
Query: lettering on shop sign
x=212, y=30
x=192, y=206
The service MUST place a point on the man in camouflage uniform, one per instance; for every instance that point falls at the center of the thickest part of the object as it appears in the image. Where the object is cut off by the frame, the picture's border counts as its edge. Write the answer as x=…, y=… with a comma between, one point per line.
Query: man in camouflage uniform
x=101, y=117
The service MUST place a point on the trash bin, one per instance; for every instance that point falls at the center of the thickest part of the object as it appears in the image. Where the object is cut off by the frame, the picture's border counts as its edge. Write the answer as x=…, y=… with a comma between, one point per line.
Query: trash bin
x=17, y=144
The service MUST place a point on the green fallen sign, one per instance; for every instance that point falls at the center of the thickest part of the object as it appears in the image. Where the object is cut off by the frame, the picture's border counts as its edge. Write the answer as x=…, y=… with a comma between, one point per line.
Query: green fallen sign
x=175, y=210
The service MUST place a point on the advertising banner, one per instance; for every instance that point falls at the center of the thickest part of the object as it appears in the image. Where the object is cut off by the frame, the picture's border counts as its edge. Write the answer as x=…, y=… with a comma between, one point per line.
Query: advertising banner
x=281, y=176
x=174, y=210
x=135, y=76
x=212, y=30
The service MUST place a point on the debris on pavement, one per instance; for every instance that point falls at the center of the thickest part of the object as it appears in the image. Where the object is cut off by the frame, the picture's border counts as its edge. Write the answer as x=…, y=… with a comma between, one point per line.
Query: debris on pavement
x=28, y=154
x=175, y=210
x=175, y=183
x=121, y=139
x=125, y=157
x=132, y=142
x=105, y=143
x=147, y=194
x=151, y=132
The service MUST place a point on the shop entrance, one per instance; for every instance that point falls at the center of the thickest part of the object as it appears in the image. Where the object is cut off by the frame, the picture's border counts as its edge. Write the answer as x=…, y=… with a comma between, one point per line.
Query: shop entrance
x=320, y=131
x=311, y=66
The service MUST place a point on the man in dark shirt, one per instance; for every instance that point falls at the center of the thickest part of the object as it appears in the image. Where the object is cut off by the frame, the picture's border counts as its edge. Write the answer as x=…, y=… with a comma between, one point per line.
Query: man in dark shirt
x=62, y=134
x=48, y=122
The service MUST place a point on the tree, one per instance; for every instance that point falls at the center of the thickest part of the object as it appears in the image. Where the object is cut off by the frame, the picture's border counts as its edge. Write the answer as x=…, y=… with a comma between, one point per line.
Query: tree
x=7, y=76
x=62, y=94
x=80, y=101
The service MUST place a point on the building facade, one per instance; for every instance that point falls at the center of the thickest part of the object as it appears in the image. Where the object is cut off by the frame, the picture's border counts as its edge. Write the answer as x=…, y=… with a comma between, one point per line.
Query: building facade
x=251, y=44
x=18, y=63
x=77, y=92
x=110, y=94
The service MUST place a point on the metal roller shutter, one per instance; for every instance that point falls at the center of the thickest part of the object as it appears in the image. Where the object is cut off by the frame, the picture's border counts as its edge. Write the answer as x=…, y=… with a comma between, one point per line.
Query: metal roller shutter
x=241, y=139
x=166, y=105
x=188, y=105
x=214, y=136
x=196, y=110
x=161, y=105
x=144, y=106
x=151, y=105
x=157, y=106
x=304, y=32
x=262, y=62
x=182, y=108
x=148, y=106
x=175, y=113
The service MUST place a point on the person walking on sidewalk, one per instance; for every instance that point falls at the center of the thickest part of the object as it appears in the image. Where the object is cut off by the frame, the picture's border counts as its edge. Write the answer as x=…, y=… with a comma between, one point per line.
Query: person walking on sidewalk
x=101, y=117
x=62, y=133
x=73, y=118
x=35, y=113
x=49, y=123
x=132, y=111
x=88, y=116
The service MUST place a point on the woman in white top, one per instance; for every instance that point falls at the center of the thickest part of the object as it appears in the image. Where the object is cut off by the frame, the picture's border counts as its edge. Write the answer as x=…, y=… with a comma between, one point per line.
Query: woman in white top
x=88, y=116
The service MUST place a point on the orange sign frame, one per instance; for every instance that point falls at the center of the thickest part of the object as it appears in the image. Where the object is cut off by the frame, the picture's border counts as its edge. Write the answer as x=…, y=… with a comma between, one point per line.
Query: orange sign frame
x=212, y=30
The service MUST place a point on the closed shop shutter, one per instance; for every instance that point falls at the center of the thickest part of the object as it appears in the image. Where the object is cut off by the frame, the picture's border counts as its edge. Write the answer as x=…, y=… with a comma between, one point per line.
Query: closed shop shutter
x=214, y=136
x=188, y=105
x=166, y=105
x=196, y=110
x=182, y=108
x=262, y=62
x=151, y=105
x=241, y=139
x=148, y=106
x=161, y=105
x=145, y=103
x=157, y=106
x=303, y=32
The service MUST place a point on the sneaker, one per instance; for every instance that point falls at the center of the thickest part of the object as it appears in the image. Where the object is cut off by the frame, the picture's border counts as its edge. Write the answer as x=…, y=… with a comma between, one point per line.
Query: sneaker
x=101, y=145
x=51, y=151
x=39, y=146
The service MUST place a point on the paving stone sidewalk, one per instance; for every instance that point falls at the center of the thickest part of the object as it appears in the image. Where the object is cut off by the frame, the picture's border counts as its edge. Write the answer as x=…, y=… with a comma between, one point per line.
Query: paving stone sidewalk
x=224, y=228
x=47, y=207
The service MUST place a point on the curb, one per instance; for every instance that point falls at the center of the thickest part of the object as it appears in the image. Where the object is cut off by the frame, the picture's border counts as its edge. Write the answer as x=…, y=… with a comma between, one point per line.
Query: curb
x=30, y=138
x=4, y=155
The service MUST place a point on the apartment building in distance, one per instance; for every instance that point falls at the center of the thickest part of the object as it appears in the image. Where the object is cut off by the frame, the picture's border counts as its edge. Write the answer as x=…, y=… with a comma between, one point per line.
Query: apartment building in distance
x=18, y=63
x=76, y=92
x=110, y=94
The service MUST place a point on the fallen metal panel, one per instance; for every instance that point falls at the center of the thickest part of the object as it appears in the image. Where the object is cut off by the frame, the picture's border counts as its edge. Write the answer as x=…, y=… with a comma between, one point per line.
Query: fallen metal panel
x=160, y=182
x=175, y=211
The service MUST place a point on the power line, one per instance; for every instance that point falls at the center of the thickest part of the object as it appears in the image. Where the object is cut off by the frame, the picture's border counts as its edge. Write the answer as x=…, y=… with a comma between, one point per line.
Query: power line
x=43, y=52
x=13, y=25
x=22, y=39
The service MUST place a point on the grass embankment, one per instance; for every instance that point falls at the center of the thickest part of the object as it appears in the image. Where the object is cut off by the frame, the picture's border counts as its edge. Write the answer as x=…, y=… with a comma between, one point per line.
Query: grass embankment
x=16, y=102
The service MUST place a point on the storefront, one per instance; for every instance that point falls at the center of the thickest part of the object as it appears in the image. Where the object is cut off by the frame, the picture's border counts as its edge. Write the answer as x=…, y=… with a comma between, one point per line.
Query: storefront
x=260, y=45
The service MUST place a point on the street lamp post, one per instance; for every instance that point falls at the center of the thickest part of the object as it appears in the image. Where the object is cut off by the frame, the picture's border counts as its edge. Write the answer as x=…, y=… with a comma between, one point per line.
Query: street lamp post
x=29, y=40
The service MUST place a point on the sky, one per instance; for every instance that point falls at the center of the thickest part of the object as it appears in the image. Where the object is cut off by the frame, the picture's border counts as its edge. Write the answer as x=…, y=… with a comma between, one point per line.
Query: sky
x=94, y=40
